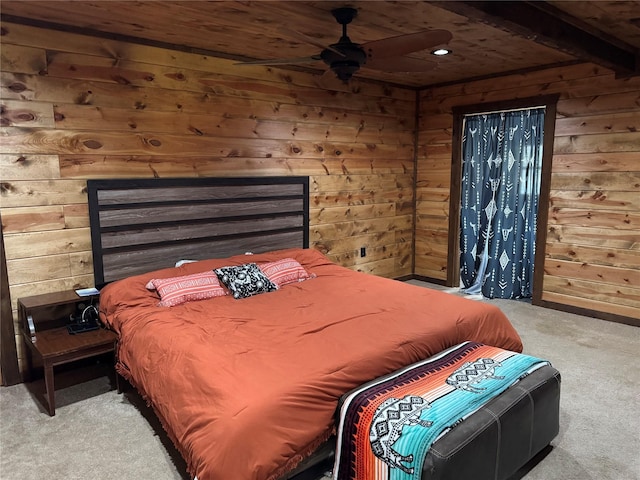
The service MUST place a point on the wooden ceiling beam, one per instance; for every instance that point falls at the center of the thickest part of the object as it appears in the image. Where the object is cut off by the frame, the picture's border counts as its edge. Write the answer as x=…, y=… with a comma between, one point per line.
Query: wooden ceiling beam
x=547, y=25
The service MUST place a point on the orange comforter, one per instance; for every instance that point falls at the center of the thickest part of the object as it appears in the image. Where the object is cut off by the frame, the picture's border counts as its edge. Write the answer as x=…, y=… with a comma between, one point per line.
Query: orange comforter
x=247, y=388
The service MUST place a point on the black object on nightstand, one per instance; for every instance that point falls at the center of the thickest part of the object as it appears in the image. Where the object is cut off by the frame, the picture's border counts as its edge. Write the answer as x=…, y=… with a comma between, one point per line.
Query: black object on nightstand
x=44, y=321
x=85, y=319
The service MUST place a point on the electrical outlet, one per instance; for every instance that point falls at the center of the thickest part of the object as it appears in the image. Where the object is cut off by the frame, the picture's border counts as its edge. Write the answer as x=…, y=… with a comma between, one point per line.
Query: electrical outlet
x=363, y=251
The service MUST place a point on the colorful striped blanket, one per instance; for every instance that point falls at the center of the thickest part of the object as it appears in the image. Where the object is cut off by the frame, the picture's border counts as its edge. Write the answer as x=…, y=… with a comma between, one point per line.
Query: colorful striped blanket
x=387, y=426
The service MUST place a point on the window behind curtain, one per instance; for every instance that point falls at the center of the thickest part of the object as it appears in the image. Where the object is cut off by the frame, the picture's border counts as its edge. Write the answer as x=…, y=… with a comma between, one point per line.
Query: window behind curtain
x=500, y=187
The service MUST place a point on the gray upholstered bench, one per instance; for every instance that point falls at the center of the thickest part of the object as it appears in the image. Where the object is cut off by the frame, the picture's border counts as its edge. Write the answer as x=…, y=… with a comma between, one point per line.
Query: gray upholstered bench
x=503, y=435
x=492, y=441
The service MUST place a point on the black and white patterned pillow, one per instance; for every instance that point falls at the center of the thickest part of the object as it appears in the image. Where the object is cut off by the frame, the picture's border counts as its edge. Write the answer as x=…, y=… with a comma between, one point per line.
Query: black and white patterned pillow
x=245, y=280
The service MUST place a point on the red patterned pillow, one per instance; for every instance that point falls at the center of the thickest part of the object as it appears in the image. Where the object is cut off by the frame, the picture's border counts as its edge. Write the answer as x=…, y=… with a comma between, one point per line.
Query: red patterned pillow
x=178, y=290
x=284, y=271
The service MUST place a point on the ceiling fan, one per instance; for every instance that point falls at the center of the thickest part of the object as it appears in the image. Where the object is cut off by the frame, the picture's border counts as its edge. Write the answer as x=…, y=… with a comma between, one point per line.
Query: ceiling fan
x=345, y=57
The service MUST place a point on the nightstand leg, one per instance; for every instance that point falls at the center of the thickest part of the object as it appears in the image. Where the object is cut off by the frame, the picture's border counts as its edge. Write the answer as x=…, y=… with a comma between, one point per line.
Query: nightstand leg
x=50, y=392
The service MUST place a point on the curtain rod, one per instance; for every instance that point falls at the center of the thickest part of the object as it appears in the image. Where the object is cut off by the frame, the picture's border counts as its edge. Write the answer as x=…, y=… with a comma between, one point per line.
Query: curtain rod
x=504, y=111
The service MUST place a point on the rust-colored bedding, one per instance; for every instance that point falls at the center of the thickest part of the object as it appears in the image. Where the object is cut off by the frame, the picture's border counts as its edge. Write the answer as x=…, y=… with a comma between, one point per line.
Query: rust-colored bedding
x=248, y=388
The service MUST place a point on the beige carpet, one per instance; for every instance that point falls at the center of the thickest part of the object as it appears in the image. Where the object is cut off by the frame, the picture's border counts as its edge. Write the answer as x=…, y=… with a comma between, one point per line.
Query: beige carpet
x=99, y=434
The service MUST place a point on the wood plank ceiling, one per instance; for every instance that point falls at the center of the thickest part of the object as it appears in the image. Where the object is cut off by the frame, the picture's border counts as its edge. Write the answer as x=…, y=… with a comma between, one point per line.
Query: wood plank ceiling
x=489, y=38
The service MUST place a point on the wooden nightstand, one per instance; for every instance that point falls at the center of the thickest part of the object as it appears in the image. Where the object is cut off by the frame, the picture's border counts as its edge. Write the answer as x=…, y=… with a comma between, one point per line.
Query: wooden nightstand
x=43, y=320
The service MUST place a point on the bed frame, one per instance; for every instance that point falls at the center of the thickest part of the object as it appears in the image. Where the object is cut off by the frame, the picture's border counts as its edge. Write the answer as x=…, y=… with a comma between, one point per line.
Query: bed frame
x=141, y=225
x=138, y=226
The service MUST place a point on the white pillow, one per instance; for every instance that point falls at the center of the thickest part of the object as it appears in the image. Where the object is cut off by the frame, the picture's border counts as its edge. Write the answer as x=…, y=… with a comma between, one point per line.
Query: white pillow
x=182, y=262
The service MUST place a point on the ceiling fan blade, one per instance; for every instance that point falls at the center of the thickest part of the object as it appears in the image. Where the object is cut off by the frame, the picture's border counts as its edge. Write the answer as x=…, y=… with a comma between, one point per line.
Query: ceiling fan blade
x=403, y=44
x=400, y=64
x=274, y=9
x=282, y=61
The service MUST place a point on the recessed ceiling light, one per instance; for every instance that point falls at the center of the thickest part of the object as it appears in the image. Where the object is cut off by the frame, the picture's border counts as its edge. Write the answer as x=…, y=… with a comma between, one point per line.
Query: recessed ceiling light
x=440, y=52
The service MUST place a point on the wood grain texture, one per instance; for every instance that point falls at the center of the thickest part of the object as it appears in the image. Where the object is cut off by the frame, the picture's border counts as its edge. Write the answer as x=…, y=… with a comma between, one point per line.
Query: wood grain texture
x=77, y=108
x=113, y=95
x=583, y=217
x=371, y=128
x=595, y=162
x=607, y=17
x=139, y=225
x=48, y=286
x=123, y=166
x=22, y=193
x=21, y=141
x=33, y=219
x=585, y=305
x=588, y=199
x=628, y=239
x=617, y=181
x=597, y=124
x=594, y=202
x=598, y=255
x=596, y=273
x=263, y=26
x=603, y=142
x=52, y=242
x=332, y=247
x=625, y=296
x=21, y=59
x=28, y=167
x=26, y=114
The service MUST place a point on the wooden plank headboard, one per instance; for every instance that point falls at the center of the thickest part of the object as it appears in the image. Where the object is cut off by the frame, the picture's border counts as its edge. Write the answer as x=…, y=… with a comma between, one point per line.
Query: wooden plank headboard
x=140, y=225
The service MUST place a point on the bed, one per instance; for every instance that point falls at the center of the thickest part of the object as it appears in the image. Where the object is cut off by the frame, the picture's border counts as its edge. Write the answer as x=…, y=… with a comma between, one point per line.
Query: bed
x=247, y=388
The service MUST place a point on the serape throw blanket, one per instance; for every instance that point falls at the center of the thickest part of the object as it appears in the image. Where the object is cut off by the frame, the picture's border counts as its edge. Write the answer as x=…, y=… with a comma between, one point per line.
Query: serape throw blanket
x=387, y=426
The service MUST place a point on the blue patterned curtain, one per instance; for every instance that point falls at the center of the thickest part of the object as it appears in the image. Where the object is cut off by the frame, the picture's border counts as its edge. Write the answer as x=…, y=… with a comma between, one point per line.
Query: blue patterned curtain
x=501, y=170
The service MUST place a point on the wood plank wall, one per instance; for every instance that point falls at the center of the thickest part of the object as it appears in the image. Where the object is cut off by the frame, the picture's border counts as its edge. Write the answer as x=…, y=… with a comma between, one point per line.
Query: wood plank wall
x=593, y=234
x=77, y=107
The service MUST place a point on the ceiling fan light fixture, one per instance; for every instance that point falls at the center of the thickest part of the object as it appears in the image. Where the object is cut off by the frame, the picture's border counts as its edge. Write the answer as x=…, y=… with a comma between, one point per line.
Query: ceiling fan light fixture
x=352, y=57
x=345, y=70
x=440, y=52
